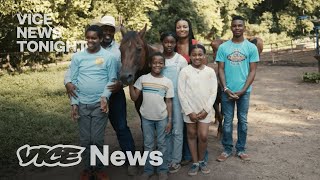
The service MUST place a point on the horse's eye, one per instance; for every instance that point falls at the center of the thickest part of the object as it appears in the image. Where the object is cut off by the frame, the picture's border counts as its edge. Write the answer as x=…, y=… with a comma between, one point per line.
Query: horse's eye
x=139, y=48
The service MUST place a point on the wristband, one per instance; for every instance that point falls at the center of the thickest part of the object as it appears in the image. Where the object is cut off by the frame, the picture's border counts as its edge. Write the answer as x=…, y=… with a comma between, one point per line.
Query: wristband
x=225, y=89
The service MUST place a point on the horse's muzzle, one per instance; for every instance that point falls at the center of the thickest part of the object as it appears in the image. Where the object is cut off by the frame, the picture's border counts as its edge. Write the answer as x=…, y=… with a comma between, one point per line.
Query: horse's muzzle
x=127, y=78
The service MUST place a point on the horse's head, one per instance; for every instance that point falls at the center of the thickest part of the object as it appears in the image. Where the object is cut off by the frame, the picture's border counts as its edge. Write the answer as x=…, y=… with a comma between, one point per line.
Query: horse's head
x=133, y=54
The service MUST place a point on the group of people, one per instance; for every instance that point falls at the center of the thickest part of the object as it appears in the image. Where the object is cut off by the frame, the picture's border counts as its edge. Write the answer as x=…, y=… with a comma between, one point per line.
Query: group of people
x=178, y=96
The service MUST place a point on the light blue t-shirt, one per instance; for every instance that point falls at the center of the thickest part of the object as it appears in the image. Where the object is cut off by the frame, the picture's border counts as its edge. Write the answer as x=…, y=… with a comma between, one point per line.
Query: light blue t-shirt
x=237, y=59
x=91, y=73
x=113, y=48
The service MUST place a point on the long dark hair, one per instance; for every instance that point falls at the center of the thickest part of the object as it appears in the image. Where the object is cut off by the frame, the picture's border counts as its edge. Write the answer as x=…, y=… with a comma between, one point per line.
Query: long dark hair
x=190, y=35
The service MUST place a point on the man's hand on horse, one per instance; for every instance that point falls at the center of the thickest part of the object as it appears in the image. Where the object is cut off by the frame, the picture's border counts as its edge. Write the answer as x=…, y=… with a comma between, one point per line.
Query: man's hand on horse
x=202, y=115
x=104, y=105
x=193, y=117
x=115, y=87
x=71, y=88
x=75, y=112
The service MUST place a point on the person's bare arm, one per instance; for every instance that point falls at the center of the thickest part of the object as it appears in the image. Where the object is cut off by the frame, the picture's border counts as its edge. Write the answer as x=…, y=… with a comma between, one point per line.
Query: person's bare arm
x=169, y=109
x=134, y=93
x=250, y=79
x=223, y=82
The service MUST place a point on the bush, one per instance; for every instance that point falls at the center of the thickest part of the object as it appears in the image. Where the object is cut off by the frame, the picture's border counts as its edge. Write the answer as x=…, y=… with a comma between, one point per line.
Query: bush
x=311, y=77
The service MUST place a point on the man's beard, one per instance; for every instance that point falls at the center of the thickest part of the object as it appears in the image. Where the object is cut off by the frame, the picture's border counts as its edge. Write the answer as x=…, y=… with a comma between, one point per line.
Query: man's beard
x=106, y=43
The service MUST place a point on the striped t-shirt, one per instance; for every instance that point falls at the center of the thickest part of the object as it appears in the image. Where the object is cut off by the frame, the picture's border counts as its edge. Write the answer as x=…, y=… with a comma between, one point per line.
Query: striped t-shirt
x=154, y=90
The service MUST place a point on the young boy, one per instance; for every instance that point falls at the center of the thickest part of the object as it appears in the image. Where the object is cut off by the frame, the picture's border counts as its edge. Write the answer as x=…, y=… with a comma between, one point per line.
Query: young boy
x=155, y=111
x=91, y=71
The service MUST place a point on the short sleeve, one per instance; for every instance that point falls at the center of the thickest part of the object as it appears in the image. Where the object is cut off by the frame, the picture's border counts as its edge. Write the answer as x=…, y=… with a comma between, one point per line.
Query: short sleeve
x=138, y=83
x=220, y=57
x=254, y=54
x=170, y=91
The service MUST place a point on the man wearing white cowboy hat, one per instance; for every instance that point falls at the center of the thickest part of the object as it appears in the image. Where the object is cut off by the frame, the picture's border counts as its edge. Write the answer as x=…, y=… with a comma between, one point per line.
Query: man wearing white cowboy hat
x=117, y=101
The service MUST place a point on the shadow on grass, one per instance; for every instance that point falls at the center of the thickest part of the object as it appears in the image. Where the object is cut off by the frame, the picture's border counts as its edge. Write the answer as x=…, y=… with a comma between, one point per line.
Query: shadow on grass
x=35, y=111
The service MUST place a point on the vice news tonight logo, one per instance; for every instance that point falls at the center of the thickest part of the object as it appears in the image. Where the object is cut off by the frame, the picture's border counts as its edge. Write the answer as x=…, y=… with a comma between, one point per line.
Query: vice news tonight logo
x=70, y=155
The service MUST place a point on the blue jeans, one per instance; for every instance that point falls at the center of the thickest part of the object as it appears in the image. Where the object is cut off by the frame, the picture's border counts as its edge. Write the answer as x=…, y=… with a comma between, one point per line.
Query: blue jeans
x=175, y=137
x=228, y=112
x=150, y=127
x=118, y=120
x=92, y=124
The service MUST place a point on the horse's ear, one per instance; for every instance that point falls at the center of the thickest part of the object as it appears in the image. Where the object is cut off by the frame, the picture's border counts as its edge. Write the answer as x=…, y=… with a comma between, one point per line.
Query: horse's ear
x=143, y=31
x=123, y=30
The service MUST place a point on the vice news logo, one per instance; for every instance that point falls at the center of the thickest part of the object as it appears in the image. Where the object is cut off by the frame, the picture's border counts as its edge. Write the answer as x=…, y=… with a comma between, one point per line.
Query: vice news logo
x=70, y=155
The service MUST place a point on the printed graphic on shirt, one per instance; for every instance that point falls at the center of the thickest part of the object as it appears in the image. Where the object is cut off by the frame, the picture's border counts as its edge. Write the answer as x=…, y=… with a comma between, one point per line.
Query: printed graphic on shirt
x=236, y=57
x=154, y=88
x=99, y=60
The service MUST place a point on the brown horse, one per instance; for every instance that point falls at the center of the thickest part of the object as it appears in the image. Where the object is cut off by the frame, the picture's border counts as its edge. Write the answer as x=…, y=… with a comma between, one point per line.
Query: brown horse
x=134, y=58
x=217, y=105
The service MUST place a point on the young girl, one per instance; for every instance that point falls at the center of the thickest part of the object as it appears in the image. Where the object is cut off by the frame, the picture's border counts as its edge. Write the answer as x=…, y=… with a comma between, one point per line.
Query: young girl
x=174, y=63
x=155, y=111
x=197, y=90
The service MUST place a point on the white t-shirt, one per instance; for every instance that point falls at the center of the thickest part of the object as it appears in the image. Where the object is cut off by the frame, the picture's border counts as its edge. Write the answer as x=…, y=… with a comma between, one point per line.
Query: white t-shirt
x=177, y=59
x=154, y=90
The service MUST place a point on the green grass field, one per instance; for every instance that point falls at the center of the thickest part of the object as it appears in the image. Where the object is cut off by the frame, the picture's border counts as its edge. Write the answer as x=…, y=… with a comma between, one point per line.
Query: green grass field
x=35, y=110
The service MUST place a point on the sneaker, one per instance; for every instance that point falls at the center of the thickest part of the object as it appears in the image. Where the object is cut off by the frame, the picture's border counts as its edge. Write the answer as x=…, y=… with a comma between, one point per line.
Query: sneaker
x=132, y=170
x=204, y=168
x=101, y=175
x=223, y=156
x=194, y=169
x=185, y=162
x=85, y=175
x=243, y=156
x=163, y=176
x=174, y=168
x=144, y=176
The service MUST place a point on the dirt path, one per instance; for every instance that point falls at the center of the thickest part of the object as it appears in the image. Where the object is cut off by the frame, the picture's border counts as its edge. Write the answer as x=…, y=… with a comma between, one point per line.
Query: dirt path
x=283, y=135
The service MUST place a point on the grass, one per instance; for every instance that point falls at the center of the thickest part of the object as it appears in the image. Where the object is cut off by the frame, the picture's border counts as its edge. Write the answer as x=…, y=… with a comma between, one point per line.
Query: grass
x=35, y=110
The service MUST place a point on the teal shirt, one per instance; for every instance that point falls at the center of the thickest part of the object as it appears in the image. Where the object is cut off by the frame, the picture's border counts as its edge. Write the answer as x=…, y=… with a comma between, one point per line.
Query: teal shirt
x=92, y=73
x=237, y=59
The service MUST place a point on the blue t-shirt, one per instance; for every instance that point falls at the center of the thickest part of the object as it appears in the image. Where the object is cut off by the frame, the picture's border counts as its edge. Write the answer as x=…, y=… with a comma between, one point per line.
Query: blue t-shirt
x=237, y=59
x=92, y=73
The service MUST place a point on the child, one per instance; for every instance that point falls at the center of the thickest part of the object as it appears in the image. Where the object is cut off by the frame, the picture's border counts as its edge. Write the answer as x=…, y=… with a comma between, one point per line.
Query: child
x=174, y=63
x=155, y=111
x=91, y=71
x=197, y=90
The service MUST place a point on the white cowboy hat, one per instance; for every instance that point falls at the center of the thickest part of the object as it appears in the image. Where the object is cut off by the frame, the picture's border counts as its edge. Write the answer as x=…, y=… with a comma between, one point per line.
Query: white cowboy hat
x=107, y=21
